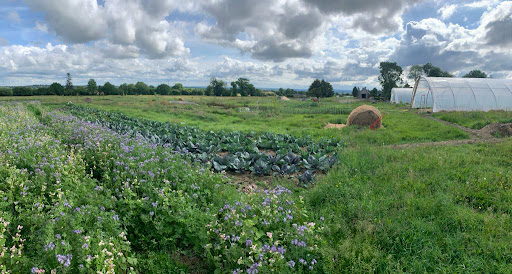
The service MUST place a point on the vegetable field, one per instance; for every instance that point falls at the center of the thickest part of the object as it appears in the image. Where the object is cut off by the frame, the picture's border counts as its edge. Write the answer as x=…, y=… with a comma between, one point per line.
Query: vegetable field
x=85, y=189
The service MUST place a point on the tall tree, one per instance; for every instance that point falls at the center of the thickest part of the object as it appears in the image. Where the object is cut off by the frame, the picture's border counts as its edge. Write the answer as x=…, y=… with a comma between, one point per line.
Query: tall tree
x=390, y=74
x=56, y=89
x=69, y=84
x=475, y=74
x=141, y=88
x=92, y=87
x=415, y=72
x=374, y=92
x=216, y=87
x=163, y=89
x=320, y=89
x=108, y=89
x=355, y=91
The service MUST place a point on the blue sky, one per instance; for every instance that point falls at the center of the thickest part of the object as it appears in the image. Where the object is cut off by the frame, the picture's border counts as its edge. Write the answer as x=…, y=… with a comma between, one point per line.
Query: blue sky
x=275, y=43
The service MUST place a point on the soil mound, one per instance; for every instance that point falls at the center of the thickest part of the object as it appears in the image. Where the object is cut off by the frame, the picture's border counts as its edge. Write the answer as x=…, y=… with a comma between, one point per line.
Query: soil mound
x=498, y=130
x=366, y=116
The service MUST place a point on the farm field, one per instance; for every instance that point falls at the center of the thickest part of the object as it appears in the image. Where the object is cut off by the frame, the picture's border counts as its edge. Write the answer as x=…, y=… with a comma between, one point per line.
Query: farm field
x=140, y=184
x=475, y=119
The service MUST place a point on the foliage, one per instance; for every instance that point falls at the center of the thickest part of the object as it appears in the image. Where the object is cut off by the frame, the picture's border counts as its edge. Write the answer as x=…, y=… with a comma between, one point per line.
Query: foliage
x=92, y=87
x=475, y=74
x=355, y=91
x=108, y=89
x=320, y=89
x=242, y=152
x=243, y=87
x=69, y=83
x=217, y=88
x=81, y=198
x=390, y=75
x=415, y=72
x=5, y=91
x=270, y=233
x=433, y=71
x=163, y=89
x=56, y=89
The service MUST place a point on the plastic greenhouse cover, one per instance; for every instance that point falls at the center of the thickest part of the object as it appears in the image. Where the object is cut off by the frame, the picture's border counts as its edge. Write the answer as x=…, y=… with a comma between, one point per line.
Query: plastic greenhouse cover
x=401, y=95
x=463, y=94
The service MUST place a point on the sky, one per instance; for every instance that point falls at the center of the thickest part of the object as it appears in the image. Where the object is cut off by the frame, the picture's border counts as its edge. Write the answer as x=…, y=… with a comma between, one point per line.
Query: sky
x=274, y=43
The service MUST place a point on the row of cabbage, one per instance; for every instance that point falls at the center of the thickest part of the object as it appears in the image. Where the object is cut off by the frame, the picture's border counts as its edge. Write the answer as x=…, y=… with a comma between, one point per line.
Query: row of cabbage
x=238, y=152
x=79, y=197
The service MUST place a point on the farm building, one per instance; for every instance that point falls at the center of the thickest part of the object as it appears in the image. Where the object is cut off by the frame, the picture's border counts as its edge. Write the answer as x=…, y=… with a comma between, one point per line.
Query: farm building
x=364, y=94
x=401, y=95
x=462, y=94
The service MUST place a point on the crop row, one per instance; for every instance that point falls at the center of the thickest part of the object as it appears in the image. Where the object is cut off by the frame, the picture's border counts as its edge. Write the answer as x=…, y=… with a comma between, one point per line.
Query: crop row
x=238, y=152
x=79, y=197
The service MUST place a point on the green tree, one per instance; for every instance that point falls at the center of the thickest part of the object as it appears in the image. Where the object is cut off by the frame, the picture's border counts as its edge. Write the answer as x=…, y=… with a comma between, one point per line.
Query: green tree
x=109, y=89
x=244, y=87
x=390, y=74
x=141, y=88
x=81, y=91
x=415, y=72
x=374, y=92
x=320, y=89
x=69, y=84
x=56, y=89
x=177, y=86
x=216, y=87
x=475, y=74
x=355, y=91
x=163, y=89
x=433, y=71
x=92, y=87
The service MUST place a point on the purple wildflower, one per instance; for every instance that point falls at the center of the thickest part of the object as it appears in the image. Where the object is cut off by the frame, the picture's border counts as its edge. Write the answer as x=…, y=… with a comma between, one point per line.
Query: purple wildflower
x=248, y=242
x=291, y=264
x=115, y=217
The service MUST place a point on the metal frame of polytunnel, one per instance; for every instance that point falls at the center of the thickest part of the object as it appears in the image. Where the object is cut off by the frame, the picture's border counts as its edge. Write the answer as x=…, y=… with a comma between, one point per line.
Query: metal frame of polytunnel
x=401, y=95
x=462, y=94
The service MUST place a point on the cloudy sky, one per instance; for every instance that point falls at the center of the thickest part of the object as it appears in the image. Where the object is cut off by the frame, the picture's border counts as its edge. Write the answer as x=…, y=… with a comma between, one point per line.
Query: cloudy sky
x=275, y=43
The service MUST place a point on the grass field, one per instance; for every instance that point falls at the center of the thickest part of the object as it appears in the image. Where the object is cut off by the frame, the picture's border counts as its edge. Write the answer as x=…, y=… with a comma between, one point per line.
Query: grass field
x=380, y=209
x=262, y=114
x=475, y=119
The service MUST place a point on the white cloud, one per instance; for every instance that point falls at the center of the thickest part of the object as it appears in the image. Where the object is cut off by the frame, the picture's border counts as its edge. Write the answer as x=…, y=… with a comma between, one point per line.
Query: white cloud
x=447, y=11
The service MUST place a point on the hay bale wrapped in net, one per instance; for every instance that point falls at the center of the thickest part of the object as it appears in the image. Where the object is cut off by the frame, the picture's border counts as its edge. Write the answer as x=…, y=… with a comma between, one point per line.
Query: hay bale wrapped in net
x=366, y=116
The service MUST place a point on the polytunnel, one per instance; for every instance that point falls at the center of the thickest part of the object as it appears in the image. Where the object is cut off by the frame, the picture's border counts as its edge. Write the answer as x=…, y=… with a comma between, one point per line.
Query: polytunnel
x=462, y=94
x=401, y=95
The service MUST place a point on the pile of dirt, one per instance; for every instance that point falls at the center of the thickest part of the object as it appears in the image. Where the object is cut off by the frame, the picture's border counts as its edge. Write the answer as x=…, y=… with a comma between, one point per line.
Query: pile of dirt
x=284, y=98
x=366, y=116
x=498, y=130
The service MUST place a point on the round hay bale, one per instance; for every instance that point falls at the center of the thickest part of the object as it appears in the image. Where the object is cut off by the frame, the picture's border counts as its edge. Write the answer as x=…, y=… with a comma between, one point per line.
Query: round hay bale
x=366, y=116
x=284, y=98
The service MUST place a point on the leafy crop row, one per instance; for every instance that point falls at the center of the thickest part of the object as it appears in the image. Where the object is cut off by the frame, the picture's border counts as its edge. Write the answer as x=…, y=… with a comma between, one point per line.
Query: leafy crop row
x=238, y=152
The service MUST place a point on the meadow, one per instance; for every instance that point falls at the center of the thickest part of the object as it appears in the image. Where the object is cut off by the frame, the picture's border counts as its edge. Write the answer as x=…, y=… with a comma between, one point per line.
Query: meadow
x=119, y=184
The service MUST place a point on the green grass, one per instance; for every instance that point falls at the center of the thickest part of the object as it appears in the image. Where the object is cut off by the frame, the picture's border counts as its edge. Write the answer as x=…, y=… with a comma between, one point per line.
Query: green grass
x=267, y=114
x=475, y=119
x=419, y=210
